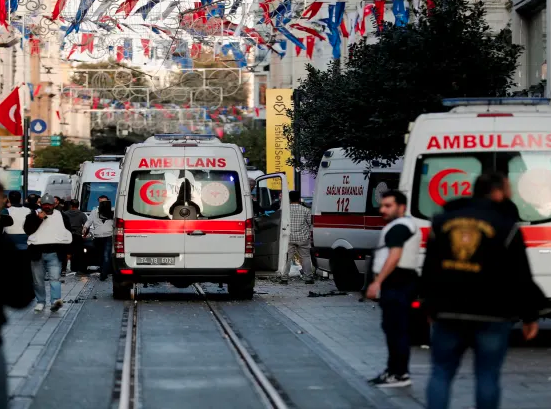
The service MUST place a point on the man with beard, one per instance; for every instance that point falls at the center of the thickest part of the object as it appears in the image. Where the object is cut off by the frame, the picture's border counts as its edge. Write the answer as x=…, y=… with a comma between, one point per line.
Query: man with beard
x=49, y=232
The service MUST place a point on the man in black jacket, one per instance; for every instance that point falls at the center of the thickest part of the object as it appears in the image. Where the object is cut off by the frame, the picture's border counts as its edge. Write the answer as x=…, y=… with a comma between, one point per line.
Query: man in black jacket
x=476, y=282
x=15, y=291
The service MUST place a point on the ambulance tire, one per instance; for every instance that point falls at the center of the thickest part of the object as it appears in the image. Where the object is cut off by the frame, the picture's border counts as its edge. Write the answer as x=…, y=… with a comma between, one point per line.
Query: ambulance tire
x=345, y=273
x=121, y=291
x=242, y=288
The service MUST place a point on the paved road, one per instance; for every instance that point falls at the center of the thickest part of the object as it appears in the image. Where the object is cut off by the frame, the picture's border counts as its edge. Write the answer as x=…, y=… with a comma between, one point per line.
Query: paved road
x=317, y=351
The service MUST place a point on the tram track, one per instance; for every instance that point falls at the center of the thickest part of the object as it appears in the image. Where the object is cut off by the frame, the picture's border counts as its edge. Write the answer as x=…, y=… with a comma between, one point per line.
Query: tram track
x=126, y=389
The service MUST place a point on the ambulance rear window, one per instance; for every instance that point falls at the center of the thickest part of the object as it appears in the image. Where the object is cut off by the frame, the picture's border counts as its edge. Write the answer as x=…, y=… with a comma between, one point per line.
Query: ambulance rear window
x=155, y=193
x=441, y=178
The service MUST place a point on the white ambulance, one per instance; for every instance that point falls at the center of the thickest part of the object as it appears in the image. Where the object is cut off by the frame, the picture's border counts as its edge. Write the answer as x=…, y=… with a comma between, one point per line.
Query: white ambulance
x=345, y=212
x=184, y=214
x=48, y=180
x=96, y=178
x=447, y=151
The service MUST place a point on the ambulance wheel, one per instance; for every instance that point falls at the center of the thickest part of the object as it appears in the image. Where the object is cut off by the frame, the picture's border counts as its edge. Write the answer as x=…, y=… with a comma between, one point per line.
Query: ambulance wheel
x=121, y=291
x=242, y=288
x=345, y=273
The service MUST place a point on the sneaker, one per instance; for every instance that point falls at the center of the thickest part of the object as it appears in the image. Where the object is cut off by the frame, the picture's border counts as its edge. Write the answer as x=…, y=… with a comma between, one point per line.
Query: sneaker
x=56, y=305
x=385, y=380
x=39, y=307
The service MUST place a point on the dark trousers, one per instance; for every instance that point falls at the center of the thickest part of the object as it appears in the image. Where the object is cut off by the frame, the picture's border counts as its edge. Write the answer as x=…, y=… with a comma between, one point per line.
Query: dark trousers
x=77, y=254
x=395, y=302
x=103, y=248
x=450, y=340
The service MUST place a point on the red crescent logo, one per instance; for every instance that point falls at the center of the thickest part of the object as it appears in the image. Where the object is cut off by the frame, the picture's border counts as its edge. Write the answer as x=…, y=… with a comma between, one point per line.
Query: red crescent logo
x=145, y=188
x=105, y=174
x=434, y=185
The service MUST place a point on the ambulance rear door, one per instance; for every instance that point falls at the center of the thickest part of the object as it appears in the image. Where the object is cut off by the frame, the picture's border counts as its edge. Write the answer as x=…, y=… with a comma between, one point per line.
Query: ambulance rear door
x=272, y=223
x=215, y=239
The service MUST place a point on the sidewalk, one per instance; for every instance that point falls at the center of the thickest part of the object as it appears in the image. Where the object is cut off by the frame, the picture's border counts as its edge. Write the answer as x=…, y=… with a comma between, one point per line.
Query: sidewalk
x=27, y=333
x=352, y=331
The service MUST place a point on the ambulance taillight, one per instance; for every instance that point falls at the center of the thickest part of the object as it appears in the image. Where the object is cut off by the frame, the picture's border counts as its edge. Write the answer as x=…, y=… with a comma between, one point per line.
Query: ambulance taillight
x=249, y=238
x=119, y=238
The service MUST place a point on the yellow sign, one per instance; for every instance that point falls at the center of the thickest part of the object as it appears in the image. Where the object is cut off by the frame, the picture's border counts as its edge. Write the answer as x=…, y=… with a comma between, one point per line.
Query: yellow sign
x=278, y=101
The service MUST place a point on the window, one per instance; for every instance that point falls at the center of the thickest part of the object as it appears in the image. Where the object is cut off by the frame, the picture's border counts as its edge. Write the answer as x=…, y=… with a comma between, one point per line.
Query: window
x=378, y=184
x=91, y=191
x=441, y=178
x=215, y=193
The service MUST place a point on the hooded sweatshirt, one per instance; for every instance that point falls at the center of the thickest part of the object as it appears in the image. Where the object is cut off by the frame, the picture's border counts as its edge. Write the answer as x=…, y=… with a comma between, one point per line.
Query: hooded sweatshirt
x=77, y=219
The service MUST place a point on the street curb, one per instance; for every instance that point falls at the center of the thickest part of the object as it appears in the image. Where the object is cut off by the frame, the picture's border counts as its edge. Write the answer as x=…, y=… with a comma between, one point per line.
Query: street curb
x=376, y=397
x=25, y=393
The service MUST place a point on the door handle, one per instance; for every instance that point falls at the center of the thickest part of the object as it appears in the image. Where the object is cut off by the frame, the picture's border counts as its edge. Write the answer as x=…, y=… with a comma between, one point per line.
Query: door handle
x=197, y=233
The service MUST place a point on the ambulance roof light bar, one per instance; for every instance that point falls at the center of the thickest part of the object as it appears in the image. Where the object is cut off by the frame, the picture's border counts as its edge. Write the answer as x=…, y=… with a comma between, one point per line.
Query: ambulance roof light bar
x=456, y=102
x=108, y=158
x=181, y=136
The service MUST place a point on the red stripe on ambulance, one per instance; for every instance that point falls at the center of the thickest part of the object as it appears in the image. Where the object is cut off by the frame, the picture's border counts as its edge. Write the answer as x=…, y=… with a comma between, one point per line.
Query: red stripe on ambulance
x=183, y=226
x=349, y=222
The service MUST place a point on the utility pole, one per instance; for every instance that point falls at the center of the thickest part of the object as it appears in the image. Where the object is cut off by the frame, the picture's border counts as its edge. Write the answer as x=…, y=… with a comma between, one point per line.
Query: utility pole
x=296, y=136
x=26, y=148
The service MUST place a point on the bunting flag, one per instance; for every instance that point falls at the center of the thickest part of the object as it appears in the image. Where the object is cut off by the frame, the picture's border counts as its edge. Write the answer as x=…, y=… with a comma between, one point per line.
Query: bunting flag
x=299, y=49
x=146, y=8
x=380, y=14
x=73, y=49
x=81, y=13
x=280, y=48
x=126, y=6
x=312, y=10
x=185, y=62
x=172, y=5
x=240, y=60
x=120, y=53
x=14, y=5
x=367, y=11
x=257, y=111
x=128, y=50
x=400, y=8
x=87, y=43
x=235, y=6
x=58, y=8
x=58, y=115
x=103, y=7
x=310, y=43
x=195, y=50
x=308, y=30
x=146, y=48
x=291, y=37
x=37, y=90
x=3, y=14
x=95, y=103
x=31, y=90
x=333, y=22
x=344, y=31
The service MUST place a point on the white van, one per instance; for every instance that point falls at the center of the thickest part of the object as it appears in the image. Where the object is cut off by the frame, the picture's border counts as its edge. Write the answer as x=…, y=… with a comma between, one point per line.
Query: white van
x=96, y=178
x=447, y=151
x=345, y=212
x=184, y=214
x=46, y=180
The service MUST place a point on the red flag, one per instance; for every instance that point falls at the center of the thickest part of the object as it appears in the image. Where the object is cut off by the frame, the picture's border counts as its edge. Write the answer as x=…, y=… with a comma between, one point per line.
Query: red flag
x=87, y=43
x=73, y=49
x=257, y=111
x=3, y=14
x=58, y=115
x=307, y=30
x=310, y=42
x=312, y=10
x=127, y=6
x=10, y=113
x=58, y=8
x=146, y=49
x=344, y=31
x=368, y=9
x=380, y=13
x=34, y=43
x=37, y=89
x=195, y=50
x=120, y=53
x=95, y=103
x=297, y=48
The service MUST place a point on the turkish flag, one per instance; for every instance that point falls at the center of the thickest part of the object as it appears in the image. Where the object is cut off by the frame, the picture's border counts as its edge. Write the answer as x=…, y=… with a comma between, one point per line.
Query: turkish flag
x=10, y=113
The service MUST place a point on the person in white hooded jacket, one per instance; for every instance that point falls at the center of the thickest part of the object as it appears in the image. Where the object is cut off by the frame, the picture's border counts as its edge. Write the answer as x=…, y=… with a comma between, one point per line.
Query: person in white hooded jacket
x=49, y=232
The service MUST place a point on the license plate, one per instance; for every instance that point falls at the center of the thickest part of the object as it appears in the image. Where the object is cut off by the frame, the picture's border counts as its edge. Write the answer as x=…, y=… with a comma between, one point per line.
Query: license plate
x=156, y=261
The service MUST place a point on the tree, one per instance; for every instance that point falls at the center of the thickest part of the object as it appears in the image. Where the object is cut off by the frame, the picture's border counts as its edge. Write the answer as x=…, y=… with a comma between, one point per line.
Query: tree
x=448, y=52
x=67, y=157
x=254, y=142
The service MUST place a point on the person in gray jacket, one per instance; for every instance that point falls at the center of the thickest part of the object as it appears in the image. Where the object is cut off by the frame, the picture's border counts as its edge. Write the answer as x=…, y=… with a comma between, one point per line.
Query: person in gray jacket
x=78, y=219
x=101, y=221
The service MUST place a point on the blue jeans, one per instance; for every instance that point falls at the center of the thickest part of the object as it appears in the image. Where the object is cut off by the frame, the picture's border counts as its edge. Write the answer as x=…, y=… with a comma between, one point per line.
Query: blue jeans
x=450, y=340
x=3, y=382
x=48, y=262
x=395, y=302
x=103, y=247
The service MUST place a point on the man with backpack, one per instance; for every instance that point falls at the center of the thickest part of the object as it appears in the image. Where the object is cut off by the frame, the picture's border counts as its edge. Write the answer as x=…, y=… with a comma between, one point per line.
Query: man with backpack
x=476, y=282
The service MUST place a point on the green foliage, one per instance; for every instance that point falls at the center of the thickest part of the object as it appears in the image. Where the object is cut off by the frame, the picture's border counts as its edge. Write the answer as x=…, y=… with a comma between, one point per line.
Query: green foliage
x=254, y=142
x=67, y=157
x=366, y=107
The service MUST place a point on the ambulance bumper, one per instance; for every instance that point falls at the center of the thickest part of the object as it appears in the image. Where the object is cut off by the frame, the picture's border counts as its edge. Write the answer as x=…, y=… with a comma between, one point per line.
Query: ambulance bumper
x=124, y=273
